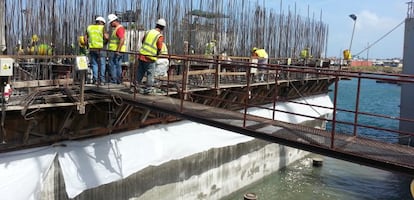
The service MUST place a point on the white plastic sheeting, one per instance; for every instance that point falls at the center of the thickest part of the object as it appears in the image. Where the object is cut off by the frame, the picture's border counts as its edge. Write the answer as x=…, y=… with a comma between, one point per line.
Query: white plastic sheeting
x=91, y=163
x=303, y=108
x=22, y=172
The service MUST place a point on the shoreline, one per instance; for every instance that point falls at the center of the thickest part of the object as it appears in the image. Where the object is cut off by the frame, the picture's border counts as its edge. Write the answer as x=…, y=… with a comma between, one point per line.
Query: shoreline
x=380, y=69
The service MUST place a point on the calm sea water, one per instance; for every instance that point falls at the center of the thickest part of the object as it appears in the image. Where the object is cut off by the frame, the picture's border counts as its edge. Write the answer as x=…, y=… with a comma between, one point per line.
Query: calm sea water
x=336, y=179
x=377, y=98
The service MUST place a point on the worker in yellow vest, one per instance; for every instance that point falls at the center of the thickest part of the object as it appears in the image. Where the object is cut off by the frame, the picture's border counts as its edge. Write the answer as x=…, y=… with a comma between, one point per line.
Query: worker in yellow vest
x=262, y=59
x=261, y=55
x=96, y=38
x=33, y=45
x=45, y=50
x=210, y=48
x=82, y=46
x=116, y=46
x=304, y=54
x=150, y=49
x=42, y=49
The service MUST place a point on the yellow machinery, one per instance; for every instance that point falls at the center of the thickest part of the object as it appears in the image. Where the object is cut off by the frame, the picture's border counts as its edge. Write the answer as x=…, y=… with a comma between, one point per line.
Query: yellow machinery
x=347, y=54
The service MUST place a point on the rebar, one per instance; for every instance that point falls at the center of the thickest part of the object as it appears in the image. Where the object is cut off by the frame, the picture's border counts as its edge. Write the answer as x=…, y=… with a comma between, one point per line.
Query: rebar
x=237, y=25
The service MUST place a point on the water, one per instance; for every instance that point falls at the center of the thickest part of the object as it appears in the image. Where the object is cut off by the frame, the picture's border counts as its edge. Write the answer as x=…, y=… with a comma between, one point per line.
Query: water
x=336, y=179
x=376, y=98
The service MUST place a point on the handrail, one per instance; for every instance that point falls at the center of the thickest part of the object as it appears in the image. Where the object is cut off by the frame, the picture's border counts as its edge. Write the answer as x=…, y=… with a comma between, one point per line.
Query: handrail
x=199, y=73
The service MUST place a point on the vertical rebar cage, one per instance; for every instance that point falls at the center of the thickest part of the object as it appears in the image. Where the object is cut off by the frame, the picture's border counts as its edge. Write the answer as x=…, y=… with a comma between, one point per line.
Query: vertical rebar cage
x=237, y=25
x=410, y=11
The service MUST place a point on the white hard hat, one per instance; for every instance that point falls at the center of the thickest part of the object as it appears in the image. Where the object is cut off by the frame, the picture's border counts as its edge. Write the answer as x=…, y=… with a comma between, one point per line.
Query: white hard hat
x=162, y=22
x=101, y=19
x=112, y=17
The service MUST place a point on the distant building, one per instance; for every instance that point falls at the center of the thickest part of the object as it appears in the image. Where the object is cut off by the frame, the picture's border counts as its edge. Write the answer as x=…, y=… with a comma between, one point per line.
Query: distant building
x=394, y=62
x=378, y=63
x=361, y=63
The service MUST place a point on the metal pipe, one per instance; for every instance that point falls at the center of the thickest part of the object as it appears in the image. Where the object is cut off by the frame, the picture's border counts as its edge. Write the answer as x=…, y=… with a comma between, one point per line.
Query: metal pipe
x=184, y=85
x=357, y=106
x=334, y=113
x=275, y=96
x=246, y=101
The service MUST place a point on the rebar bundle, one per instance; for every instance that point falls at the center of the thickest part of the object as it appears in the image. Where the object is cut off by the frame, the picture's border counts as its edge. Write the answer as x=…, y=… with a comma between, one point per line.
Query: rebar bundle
x=236, y=25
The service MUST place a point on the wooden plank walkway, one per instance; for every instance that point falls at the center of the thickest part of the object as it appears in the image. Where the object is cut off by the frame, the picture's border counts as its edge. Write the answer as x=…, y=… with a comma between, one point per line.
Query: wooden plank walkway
x=360, y=150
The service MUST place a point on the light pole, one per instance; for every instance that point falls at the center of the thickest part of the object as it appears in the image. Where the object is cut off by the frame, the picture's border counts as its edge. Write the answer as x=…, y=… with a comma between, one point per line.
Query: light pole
x=353, y=17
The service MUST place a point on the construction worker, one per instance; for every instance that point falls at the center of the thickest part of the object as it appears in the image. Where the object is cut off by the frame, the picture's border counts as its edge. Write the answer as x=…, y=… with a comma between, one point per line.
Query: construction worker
x=116, y=46
x=35, y=48
x=19, y=48
x=83, y=47
x=42, y=49
x=45, y=49
x=96, y=38
x=150, y=49
x=32, y=47
x=224, y=56
x=262, y=58
x=304, y=54
x=210, y=48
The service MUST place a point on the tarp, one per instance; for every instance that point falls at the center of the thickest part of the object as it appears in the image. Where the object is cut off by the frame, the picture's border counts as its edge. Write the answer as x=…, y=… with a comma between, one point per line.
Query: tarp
x=304, y=106
x=94, y=162
x=91, y=163
x=22, y=172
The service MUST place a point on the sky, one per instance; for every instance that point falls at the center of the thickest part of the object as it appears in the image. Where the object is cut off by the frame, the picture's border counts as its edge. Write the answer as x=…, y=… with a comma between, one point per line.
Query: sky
x=375, y=18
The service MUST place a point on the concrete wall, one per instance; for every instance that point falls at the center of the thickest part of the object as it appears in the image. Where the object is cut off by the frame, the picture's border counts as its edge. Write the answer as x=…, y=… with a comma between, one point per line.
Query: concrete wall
x=211, y=174
x=2, y=25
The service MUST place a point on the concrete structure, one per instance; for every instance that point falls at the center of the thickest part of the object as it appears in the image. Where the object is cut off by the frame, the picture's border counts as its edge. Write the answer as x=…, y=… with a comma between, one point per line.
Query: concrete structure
x=407, y=90
x=180, y=160
x=2, y=25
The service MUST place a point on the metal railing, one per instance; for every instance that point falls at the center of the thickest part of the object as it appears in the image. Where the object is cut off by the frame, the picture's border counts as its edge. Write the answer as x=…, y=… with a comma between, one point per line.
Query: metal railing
x=215, y=82
x=190, y=74
x=212, y=76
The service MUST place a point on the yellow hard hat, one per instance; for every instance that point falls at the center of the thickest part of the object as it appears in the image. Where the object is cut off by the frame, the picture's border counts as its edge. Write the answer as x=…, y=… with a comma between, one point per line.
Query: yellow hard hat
x=35, y=38
x=254, y=49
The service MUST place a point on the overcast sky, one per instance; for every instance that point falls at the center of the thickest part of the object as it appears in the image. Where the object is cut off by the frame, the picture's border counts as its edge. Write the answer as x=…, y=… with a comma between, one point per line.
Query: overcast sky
x=375, y=18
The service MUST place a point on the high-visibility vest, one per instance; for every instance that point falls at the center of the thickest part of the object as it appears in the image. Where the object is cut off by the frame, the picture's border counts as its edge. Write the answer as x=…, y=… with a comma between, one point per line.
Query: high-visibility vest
x=95, y=36
x=304, y=53
x=149, y=46
x=164, y=49
x=209, y=49
x=261, y=53
x=114, y=41
x=44, y=49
